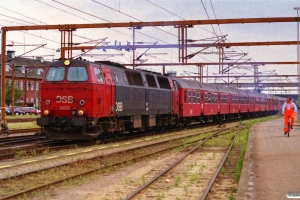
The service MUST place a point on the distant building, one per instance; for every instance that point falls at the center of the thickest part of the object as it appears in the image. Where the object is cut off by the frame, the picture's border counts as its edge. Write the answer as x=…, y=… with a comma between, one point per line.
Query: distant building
x=28, y=82
x=172, y=73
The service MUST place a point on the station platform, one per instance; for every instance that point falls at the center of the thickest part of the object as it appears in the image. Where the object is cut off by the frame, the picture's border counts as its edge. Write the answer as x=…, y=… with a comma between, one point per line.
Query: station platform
x=271, y=167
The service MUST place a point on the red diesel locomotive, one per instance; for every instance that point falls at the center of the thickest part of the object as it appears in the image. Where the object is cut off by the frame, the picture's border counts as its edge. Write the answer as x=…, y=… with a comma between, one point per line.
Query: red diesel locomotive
x=88, y=100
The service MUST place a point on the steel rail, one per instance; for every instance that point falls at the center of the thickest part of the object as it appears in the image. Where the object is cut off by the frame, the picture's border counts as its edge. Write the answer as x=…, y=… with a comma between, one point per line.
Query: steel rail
x=22, y=140
x=12, y=138
x=25, y=130
x=218, y=170
x=15, y=120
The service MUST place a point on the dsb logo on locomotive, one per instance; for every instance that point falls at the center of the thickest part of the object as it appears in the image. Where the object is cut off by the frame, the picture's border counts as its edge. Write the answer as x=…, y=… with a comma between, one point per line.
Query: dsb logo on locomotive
x=64, y=99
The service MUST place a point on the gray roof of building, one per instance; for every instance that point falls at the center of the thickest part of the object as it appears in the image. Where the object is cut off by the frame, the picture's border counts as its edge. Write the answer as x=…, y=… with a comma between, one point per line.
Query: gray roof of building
x=20, y=62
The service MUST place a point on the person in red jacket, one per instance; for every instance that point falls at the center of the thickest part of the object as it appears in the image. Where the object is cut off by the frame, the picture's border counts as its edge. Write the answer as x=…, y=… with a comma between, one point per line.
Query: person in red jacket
x=288, y=110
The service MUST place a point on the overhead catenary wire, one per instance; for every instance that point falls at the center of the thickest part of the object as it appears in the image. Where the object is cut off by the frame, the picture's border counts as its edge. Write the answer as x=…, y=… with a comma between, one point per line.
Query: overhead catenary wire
x=135, y=19
x=208, y=17
x=182, y=19
x=104, y=20
x=175, y=14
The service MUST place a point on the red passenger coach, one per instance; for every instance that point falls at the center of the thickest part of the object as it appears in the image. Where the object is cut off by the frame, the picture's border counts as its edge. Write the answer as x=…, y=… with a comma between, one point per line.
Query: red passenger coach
x=190, y=104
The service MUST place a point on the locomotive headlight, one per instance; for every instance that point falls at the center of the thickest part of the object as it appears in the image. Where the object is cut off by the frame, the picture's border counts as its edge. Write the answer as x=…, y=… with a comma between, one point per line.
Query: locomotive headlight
x=47, y=102
x=67, y=62
x=80, y=112
x=46, y=112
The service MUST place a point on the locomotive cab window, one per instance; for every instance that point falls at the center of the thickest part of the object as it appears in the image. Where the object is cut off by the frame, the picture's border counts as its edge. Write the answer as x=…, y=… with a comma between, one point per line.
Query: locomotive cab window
x=55, y=74
x=98, y=74
x=77, y=74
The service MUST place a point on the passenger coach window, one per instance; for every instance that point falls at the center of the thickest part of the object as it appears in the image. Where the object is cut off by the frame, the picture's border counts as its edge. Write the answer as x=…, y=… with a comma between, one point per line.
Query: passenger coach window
x=77, y=74
x=98, y=74
x=55, y=74
x=198, y=97
x=184, y=96
x=194, y=97
x=189, y=96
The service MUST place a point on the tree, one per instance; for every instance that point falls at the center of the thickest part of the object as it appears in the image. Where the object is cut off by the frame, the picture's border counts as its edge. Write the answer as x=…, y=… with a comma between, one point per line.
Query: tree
x=8, y=88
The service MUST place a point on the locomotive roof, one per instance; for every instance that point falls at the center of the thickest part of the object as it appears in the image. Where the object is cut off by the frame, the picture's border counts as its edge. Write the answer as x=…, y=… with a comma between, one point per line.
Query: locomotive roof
x=110, y=63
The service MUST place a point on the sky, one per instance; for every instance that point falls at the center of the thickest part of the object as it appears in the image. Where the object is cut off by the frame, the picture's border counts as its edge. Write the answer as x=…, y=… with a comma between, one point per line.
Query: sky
x=41, y=12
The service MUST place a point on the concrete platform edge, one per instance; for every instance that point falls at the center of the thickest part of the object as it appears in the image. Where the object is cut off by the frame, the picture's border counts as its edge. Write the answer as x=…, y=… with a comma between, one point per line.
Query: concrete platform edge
x=246, y=178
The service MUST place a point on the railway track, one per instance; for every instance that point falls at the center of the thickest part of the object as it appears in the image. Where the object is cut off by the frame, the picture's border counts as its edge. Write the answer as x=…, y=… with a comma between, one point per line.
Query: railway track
x=12, y=139
x=18, y=131
x=38, y=148
x=162, y=146
x=27, y=149
x=181, y=159
x=19, y=120
x=25, y=130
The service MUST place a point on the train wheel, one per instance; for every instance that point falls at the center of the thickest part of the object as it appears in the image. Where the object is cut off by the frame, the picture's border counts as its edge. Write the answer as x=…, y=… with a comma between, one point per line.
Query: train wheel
x=103, y=136
x=116, y=134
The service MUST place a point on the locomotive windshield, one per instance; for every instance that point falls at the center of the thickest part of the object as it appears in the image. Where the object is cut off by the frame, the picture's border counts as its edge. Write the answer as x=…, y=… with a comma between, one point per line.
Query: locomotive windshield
x=55, y=74
x=77, y=74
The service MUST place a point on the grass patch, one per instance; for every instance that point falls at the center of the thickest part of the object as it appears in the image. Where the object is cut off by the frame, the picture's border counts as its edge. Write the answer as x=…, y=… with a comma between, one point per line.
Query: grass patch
x=160, y=196
x=242, y=140
x=177, y=180
x=222, y=170
x=22, y=125
x=21, y=116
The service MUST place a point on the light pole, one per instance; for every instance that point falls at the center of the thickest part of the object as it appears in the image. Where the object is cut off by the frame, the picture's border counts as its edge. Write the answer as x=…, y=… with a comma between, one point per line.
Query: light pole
x=298, y=59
